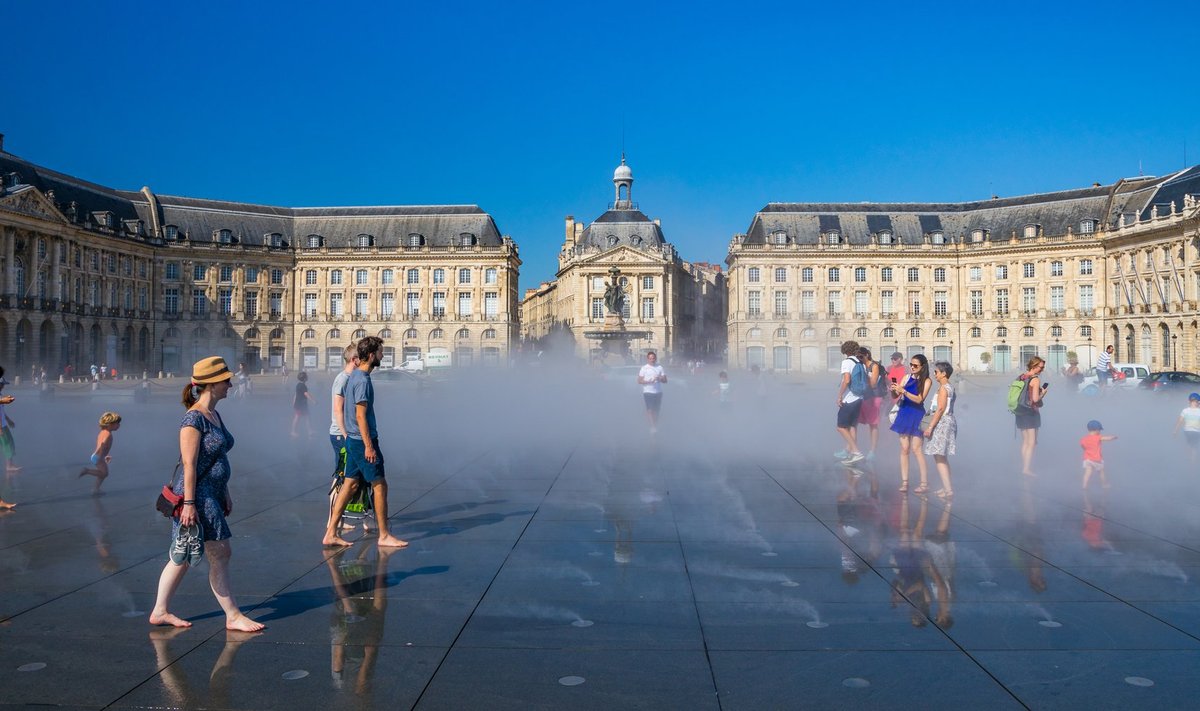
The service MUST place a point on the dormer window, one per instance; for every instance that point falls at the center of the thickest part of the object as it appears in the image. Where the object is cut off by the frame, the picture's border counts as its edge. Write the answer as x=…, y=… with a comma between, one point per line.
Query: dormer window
x=1031, y=231
x=364, y=241
x=466, y=239
x=103, y=218
x=171, y=232
x=415, y=240
x=273, y=239
x=312, y=241
x=978, y=235
x=779, y=237
x=636, y=239
x=833, y=237
x=937, y=237
x=1087, y=227
x=612, y=240
x=135, y=227
x=885, y=237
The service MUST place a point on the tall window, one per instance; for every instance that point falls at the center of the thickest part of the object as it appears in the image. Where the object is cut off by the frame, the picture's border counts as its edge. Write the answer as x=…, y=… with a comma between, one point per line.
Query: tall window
x=170, y=270
x=1056, y=268
x=310, y=277
x=975, y=274
x=275, y=303
x=250, y=304
x=335, y=277
x=1002, y=302
x=781, y=303
x=439, y=304
x=199, y=302
x=976, y=302
x=1027, y=270
x=1056, y=299
x=885, y=274
x=226, y=273
x=251, y=275
x=808, y=303
x=276, y=276
x=914, y=274
x=387, y=277
x=939, y=303
x=887, y=302
x=1001, y=271
x=490, y=276
x=860, y=275
x=597, y=308
x=780, y=275
x=387, y=304
x=464, y=276
x=224, y=301
x=439, y=276
x=362, y=304
x=1028, y=299
x=171, y=301
x=860, y=303
x=939, y=275
x=835, y=274
x=310, y=306
x=834, y=302
x=647, y=307
x=360, y=277
x=412, y=303
x=1085, y=266
x=753, y=275
x=464, y=304
x=754, y=303
x=335, y=305
x=491, y=304
x=199, y=271
x=914, y=303
x=1087, y=299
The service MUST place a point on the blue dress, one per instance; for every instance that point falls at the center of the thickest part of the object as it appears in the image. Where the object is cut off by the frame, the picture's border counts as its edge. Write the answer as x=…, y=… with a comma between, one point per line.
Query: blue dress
x=212, y=476
x=908, y=418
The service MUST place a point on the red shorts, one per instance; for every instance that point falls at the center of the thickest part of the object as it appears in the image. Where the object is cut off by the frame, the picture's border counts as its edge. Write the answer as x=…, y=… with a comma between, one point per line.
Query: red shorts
x=869, y=414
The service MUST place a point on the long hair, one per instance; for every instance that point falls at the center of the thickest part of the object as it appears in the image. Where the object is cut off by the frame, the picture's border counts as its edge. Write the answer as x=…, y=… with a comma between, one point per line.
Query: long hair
x=923, y=373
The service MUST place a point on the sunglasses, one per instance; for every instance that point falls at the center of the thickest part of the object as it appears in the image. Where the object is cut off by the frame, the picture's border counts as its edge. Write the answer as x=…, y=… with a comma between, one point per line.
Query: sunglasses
x=914, y=365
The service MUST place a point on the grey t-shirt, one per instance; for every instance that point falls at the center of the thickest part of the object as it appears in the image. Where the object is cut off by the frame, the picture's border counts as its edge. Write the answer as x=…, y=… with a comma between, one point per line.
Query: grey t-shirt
x=339, y=388
x=359, y=389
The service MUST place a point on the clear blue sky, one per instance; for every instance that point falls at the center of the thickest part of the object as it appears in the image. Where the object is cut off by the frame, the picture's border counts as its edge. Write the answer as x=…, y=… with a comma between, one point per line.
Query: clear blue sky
x=519, y=107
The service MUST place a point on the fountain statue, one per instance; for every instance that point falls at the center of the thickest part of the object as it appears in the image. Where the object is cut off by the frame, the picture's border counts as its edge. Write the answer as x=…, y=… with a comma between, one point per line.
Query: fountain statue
x=614, y=338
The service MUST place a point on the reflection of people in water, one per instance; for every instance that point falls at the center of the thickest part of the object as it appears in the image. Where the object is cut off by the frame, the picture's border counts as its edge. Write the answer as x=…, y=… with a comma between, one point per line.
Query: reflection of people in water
x=1029, y=540
x=917, y=579
x=178, y=687
x=99, y=530
x=356, y=624
x=1093, y=521
x=944, y=556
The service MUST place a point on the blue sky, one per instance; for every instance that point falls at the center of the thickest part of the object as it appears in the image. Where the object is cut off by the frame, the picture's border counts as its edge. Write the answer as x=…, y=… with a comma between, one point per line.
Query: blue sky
x=521, y=107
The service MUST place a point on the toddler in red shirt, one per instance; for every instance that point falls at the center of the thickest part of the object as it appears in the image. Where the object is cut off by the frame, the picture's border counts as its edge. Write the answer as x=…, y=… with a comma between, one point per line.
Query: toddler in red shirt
x=1093, y=459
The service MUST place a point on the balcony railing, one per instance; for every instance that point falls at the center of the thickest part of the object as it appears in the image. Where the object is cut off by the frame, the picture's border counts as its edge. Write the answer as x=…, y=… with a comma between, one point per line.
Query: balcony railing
x=888, y=315
x=834, y=315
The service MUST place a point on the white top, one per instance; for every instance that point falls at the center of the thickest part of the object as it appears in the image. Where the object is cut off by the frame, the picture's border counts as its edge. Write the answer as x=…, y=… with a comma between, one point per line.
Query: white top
x=652, y=373
x=1103, y=363
x=848, y=367
x=1190, y=415
x=339, y=388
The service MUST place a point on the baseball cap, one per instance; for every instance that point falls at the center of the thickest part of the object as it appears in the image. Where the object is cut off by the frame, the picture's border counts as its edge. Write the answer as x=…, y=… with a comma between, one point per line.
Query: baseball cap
x=897, y=356
x=1193, y=396
x=1094, y=426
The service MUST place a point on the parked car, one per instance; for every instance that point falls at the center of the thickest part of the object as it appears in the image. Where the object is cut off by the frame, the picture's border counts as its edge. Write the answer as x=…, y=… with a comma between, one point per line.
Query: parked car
x=1133, y=374
x=1170, y=381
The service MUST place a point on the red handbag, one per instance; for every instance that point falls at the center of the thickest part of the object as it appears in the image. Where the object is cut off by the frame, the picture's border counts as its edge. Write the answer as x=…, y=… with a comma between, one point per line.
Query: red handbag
x=169, y=503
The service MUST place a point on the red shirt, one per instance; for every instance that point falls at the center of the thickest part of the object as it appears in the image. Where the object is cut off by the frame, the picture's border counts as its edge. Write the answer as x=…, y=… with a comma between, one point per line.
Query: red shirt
x=1091, y=447
x=896, y=374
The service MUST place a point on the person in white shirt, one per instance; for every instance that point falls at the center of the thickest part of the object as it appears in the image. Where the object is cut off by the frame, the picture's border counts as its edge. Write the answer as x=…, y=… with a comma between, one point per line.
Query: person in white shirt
x=651, y=377
x=849, y=406
x=1104, y=367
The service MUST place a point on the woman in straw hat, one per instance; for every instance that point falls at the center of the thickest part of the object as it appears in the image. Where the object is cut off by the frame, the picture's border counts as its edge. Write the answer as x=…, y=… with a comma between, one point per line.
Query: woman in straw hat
x=203, y=442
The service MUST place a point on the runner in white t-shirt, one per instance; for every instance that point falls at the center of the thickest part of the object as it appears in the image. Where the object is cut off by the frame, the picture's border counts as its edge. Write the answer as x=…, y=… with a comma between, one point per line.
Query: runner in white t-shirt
x=651, y=377
x=1189, y=420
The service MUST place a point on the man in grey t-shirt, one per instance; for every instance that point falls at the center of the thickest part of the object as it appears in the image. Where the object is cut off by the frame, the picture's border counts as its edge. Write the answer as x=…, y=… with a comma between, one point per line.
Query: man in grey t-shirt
x=364, y=458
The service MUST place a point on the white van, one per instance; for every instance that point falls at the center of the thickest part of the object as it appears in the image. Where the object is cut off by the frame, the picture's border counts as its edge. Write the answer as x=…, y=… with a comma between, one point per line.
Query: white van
x=1134, y=373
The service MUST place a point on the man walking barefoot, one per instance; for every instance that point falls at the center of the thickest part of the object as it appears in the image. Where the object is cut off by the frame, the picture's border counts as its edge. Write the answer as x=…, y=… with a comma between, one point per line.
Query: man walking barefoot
x=364, y=458
x=651, y=377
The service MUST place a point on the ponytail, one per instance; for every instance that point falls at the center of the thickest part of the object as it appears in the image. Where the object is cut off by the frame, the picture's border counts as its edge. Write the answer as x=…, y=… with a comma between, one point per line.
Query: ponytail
x=191, y=393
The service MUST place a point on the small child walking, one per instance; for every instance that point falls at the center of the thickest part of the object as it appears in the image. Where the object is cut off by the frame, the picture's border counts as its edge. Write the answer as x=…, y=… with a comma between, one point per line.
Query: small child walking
x=300, y=405
x=109, y=422
x=1093, y=458
x=1189, y=420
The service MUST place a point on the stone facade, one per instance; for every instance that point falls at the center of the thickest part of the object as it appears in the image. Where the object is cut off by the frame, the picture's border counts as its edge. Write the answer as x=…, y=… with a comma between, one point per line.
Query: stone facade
x=679, y=305
x=984, y=285
x=140, y=281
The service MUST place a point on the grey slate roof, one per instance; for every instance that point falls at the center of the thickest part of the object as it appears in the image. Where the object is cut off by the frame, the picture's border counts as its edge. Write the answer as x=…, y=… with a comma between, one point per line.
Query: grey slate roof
x=623, y=227
x=200, y=219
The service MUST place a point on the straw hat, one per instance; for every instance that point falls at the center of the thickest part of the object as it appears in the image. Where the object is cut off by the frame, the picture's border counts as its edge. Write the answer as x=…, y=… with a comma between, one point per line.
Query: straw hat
x=210, y=370
x=109, y=418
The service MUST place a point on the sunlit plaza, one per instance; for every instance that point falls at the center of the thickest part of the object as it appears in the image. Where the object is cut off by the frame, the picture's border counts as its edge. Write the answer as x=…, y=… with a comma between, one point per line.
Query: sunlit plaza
x=562, y=557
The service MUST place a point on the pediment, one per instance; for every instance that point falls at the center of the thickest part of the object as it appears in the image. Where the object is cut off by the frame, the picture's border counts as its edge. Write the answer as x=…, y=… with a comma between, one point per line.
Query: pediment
x=30, y=201
x=622, y=254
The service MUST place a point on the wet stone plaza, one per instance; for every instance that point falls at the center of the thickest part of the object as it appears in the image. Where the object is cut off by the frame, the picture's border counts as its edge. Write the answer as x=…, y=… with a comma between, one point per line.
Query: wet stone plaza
x=562, y=557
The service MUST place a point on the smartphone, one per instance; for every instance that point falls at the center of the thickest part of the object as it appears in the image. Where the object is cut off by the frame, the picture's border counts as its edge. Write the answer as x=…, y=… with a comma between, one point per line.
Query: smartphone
x=1045, y=386
x=893, y=381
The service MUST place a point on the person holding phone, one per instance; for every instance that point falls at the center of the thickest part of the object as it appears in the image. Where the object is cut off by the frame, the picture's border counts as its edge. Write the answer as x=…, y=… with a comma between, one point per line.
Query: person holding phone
x=1029, y=419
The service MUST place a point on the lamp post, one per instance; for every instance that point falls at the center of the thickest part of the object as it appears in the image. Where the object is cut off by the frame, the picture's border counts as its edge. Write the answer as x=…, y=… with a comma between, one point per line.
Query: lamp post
x=1058, y=357
x=1089, y=352
x=162, y=355
x=1174, y=352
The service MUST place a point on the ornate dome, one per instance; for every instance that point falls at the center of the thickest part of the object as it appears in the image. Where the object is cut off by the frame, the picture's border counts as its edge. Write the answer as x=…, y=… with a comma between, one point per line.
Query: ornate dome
x=623, y=172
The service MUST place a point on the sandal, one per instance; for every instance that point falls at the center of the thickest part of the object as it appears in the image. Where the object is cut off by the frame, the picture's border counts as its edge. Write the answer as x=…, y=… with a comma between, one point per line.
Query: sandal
x=943, y=494
x=903, y=488
x=922, y=489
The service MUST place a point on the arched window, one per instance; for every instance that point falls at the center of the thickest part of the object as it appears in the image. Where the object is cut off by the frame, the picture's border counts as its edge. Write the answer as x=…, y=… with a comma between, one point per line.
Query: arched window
x=1056, y=331
x=914, y=332
x=489, y=334
x=808, y=333
x=888, y=332
x=937, y=237
x=885, y=237
x=385, y=333
x=415, y=240
x=313, y=241
x=309, y=333
x=1085, y=331
x=781, y=333
x=437, y=334
x=861, y=333
x=463, y=334
x=359, y=334
x=334, y=333
x=976, y=332
x=1002, y=332
x=754, y=333
x=410, y=333
x=1027, y=331
x=835, y=332
x=942, y=332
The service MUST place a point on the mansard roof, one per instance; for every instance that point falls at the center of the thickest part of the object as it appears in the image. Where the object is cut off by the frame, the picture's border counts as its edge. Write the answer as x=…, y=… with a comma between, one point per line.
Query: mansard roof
x=199, y=219
x=1000, y=218
x=629, y=227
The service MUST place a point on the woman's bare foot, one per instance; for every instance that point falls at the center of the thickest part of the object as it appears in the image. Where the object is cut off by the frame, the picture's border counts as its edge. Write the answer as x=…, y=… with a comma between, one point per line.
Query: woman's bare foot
x=241, y=623
x=166, y=618
x=329, y=541
x=390, y=541
x=4, y=505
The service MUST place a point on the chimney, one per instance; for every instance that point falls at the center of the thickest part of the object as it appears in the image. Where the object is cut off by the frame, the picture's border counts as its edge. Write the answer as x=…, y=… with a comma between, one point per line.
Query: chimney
x=570, y=231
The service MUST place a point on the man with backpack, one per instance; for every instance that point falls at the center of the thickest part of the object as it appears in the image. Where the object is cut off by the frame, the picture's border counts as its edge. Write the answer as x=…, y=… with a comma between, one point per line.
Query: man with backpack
x=852, y=388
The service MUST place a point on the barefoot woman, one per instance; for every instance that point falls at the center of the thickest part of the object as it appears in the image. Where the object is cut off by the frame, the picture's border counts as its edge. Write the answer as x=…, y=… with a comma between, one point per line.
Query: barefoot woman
x=203, y=442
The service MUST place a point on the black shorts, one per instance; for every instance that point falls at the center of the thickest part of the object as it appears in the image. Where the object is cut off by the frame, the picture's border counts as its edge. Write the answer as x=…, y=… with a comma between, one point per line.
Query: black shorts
x=1029, y=420
x=848, y=414
x=653, y=401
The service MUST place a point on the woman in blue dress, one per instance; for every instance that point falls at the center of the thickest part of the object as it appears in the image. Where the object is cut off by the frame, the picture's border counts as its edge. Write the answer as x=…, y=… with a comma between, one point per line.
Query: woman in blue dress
x=912, y=393
x=203, y=443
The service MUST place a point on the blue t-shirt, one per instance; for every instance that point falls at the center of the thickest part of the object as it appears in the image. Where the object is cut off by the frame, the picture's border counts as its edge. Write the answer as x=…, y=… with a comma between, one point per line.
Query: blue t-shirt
x=359, y=389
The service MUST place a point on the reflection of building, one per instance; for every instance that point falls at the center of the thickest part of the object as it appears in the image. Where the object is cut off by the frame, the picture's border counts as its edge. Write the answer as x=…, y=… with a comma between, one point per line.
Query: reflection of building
x=678, y=303
x=997, y=280
x=143, y=281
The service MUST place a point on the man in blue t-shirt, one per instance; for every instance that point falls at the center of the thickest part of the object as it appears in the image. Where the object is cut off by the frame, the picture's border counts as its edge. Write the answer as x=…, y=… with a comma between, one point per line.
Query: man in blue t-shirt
x=364, y=458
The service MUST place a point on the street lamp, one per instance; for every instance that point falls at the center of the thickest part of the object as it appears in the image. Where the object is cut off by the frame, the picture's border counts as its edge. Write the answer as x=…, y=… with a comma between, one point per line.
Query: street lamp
x=1089, y=352
x=162, y=355
x=1174, y=353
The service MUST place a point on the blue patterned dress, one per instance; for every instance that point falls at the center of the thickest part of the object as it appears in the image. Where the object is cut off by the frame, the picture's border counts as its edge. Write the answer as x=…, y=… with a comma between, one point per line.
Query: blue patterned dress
x=212, y=476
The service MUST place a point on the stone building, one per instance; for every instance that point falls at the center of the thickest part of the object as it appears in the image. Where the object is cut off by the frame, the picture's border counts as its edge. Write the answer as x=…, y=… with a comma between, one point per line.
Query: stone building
x=984, y=284
x=678, y=304
x=142, y=281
